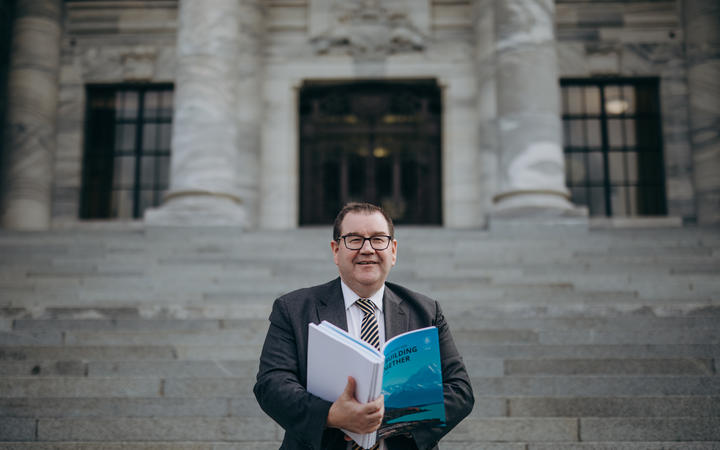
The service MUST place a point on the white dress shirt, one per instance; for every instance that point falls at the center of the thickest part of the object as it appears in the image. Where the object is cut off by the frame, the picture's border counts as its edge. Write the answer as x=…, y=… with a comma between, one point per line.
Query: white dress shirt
x=354, y=320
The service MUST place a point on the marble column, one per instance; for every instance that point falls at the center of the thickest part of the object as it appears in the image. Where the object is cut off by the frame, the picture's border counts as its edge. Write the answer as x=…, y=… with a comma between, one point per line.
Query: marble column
x=215, y=141
x=485, y=74
x=531, y=176
x=702, y=40
x=31, y=113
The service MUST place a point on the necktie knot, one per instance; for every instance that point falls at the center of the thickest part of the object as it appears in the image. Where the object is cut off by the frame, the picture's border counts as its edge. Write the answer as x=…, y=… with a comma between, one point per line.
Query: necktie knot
x=366, y=305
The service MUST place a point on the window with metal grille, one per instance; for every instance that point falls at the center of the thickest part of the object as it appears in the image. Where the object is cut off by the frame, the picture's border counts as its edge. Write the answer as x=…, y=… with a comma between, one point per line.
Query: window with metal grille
x=613, y=146
x=127, y=150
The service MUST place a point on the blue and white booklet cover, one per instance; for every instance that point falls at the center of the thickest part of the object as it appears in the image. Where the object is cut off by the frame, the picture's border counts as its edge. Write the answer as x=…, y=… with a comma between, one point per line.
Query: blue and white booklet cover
x=407, y=372
x=412, y=382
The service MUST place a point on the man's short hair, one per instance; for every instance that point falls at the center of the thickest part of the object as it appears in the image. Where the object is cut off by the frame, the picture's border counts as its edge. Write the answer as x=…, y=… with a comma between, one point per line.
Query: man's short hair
x=363, y=208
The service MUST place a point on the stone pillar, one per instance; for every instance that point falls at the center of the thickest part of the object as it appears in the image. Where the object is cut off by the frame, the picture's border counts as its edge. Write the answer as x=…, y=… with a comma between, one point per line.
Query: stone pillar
x=485, y=74
x=216, y=129
x=702, y=39
x=31, y=112
x=531, y=178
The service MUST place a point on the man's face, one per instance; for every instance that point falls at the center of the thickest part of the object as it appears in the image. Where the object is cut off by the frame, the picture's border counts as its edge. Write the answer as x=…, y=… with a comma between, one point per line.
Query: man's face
x=364, y=270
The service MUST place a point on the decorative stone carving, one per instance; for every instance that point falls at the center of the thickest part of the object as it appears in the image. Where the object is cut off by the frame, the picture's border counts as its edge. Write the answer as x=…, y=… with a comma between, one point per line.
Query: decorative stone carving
x=366, y=28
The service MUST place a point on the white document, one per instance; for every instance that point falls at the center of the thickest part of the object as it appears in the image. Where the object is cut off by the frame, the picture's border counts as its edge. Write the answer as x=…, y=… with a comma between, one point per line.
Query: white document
x=333, y=355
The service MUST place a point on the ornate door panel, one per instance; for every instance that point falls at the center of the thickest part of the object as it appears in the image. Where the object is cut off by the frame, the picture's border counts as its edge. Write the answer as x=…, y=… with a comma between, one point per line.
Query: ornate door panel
x=370, y=141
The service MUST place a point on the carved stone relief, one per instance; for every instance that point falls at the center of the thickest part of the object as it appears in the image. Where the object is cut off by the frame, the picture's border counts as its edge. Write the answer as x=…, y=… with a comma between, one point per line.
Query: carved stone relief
x=368, y=29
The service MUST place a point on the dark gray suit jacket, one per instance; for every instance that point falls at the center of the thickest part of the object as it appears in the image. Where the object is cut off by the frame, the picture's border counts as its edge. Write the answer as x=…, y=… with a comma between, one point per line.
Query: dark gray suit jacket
x=282, y=377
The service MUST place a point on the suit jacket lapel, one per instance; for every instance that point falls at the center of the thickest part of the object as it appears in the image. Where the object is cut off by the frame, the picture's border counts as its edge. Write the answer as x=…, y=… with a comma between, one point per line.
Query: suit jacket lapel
x=396, y=316
x=331, y=306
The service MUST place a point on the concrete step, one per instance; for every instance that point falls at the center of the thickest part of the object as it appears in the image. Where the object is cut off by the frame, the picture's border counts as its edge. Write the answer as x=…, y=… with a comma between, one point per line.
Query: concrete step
x=471, y=430
x=534, y=386
x=153, y=445
x=53, y=407
x=595, y=386
x=589, y=429
x=446, y=444
x=141, y=429
x=635, y=406
x=153, y=368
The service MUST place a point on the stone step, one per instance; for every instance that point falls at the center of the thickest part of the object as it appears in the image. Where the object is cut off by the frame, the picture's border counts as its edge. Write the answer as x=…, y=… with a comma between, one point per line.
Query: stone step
x=446, y=445
x=253, y=332
x=484, y=367
x=43, y=407
x=141, y=429
x=659, y=406
x=128, y=324
x=461, y=322
x=480, y=367
x=615, y=323
x=259, y=429
x=60, y=387
x=152, y=445
x=538, y=351
x=165, y=369
x=238, y=405
x=624, y=366
x=595, y=386
x=619, y=445
x=259, y=308
x=588, y=429
x=558, y=385
x=97, y=353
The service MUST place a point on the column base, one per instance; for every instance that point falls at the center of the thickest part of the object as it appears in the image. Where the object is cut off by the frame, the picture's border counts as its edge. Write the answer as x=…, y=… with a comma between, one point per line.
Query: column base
x=198, y=210
x=537, y=211
x=26, y=215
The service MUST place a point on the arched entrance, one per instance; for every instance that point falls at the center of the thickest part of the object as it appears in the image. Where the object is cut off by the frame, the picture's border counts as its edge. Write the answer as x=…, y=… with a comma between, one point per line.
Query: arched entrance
x=375, y=141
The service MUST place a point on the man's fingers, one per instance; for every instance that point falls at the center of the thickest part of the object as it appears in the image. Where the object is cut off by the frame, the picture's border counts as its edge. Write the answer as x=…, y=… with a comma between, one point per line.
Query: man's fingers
x=350, y=388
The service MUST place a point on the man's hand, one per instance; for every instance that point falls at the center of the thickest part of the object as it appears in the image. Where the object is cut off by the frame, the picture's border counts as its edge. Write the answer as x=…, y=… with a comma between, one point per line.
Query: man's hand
x=351, y=415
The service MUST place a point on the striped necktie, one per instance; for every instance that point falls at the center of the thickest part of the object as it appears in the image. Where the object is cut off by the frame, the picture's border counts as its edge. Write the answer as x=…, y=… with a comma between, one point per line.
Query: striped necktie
x=368, y=333
x=369, y=328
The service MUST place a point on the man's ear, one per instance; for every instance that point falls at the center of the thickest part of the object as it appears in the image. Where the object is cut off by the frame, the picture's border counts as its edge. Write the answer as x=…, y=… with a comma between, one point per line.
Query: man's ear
x=334, y=246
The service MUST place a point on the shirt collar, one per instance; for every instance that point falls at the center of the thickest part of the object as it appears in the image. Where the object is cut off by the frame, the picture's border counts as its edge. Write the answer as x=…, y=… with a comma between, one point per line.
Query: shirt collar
x=350, y=296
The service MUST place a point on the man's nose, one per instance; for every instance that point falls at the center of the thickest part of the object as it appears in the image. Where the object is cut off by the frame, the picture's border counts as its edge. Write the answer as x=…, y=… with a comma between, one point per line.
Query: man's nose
x=366, y=247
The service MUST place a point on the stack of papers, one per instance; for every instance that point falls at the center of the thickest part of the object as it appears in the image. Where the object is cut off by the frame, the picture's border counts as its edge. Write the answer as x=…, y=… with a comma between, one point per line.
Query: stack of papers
x=333, y=355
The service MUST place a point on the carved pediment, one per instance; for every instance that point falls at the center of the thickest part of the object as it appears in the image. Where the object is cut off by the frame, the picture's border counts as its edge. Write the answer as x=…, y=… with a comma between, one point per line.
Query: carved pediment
x=366, y=28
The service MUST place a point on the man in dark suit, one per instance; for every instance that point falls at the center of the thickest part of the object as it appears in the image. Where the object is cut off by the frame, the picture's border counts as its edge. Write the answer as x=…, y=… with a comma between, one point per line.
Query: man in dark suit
x=364, y=250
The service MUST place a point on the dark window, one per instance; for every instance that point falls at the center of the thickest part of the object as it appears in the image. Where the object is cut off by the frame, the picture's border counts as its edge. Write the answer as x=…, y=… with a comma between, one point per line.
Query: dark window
x=374, y=141
x=127, y=150
x=613, y=146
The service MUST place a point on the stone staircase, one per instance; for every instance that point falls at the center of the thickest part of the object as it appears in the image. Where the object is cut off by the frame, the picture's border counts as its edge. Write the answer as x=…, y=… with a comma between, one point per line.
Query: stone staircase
x=149, y=338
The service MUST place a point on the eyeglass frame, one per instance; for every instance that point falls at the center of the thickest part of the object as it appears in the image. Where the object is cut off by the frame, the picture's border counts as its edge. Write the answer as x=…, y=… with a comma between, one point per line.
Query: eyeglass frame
x=343, y=238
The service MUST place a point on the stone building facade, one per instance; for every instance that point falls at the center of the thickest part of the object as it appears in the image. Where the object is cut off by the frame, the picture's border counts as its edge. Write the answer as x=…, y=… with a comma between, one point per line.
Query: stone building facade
x=507, y=74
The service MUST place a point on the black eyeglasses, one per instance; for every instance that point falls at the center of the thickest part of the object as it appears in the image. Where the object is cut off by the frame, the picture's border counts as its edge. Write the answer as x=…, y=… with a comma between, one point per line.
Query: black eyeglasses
x=355, y=242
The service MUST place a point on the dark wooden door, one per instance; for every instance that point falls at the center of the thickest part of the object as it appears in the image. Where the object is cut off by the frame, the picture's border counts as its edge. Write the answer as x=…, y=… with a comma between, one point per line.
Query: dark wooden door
x=370, y=141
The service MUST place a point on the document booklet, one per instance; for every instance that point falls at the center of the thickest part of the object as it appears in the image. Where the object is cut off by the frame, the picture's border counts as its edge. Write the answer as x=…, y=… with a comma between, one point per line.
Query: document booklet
x=407, y=372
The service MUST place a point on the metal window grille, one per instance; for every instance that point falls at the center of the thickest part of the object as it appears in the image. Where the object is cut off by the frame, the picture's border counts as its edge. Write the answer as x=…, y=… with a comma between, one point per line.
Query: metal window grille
x=127, y=150
x=613, y=146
